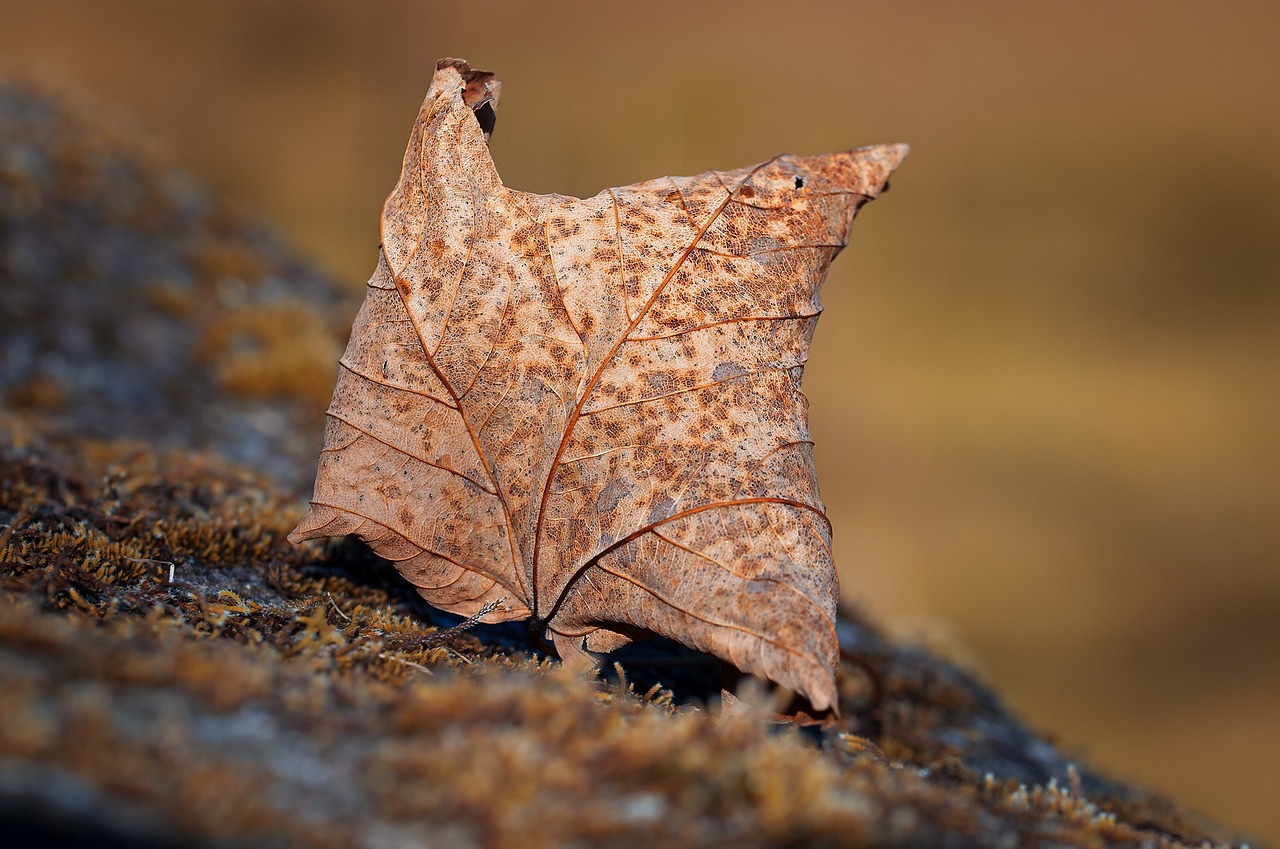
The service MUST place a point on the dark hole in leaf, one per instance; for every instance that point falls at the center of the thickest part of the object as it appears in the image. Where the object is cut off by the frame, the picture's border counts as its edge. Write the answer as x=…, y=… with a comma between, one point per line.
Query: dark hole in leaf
x=799, y=182
x=487, y=116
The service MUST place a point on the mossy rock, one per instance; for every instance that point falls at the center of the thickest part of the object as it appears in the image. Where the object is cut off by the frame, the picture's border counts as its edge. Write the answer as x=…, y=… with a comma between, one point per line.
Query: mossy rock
x=173, y=672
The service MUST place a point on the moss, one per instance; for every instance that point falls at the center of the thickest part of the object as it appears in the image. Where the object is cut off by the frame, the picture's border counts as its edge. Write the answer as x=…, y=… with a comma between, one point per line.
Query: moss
x=279, y=351
x=270, y=693
x=137, y=306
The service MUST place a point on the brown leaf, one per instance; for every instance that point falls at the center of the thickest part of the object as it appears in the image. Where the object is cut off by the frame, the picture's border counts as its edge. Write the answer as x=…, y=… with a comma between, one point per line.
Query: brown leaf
x=591, y=409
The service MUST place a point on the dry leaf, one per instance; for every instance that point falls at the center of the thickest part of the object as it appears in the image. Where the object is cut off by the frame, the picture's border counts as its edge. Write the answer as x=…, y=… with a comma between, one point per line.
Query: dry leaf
x=591, y=408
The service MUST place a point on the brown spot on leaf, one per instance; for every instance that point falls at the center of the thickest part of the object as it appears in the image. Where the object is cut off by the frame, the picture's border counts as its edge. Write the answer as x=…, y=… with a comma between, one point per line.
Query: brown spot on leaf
x=609, y=497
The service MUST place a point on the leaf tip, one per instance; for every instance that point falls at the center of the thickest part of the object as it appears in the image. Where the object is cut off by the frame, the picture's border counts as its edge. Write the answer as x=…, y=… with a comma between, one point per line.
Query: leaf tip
x=320, y=521
x=481, y=91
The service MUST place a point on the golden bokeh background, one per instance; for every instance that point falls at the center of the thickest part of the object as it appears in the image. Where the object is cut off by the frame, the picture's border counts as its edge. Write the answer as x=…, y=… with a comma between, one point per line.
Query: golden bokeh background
x=1045, y=390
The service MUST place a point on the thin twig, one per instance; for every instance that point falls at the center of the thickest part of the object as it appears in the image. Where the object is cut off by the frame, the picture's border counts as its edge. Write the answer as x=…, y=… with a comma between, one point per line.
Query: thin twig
x=336, y=608
x=459, y=655
x=409, y=663
x=157, y=562
x=470, y=622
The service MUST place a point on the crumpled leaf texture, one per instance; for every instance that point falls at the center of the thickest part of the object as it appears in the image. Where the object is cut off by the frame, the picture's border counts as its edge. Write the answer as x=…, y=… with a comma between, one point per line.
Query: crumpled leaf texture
x=591, y=409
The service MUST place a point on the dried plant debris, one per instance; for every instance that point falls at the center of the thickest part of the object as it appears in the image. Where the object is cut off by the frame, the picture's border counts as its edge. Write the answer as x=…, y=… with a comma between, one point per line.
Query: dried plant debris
x=591, y=409
x=173, y=672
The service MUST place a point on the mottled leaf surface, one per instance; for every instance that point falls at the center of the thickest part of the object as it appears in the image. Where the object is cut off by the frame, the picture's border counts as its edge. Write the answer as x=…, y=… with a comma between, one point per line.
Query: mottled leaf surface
x=591, y=409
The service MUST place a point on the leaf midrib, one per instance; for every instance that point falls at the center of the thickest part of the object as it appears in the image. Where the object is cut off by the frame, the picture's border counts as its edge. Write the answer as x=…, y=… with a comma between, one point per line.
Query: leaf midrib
x=590, y=385
x=476, y=200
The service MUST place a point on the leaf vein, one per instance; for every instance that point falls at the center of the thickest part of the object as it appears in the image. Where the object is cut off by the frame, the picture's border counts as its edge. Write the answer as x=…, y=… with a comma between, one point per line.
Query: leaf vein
x=395, y=386
x=411, y=455
x=685, y=390
x=572, y=421
x=739, y=320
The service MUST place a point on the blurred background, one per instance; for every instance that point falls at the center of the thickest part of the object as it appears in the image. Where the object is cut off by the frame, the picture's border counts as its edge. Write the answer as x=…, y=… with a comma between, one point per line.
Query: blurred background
x=1044, y=392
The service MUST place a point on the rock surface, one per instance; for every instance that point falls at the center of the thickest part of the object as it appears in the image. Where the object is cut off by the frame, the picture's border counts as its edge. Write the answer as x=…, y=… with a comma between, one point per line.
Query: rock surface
x=173, y=672
x=135, y=306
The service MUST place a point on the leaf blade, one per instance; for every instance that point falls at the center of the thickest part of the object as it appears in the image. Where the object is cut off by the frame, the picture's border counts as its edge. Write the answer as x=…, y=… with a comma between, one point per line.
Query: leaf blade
x=592, y=408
